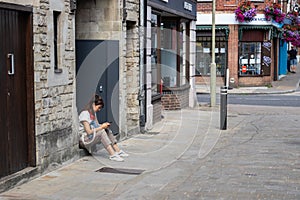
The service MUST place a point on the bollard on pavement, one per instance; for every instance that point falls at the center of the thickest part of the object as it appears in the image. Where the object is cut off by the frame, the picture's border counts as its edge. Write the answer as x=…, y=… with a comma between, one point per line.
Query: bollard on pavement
x=223, y=109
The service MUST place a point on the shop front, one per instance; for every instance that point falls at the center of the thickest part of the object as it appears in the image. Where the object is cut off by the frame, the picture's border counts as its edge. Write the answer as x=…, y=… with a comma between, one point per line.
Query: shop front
x=170, y=50
x=254, y=55
x=204, y=51
x=248, y=50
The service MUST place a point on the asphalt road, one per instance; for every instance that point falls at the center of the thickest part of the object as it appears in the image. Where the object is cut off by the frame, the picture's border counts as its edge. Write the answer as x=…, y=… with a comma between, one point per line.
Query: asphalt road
x=290, y=100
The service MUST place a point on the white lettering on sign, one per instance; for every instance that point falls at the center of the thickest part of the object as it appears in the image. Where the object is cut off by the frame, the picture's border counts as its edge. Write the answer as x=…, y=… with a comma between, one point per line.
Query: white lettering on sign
x=205, y=19
x=260, y=19
x=188, y=6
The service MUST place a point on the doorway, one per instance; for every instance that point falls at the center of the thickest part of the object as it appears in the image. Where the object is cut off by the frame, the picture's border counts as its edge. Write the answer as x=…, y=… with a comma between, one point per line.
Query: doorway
x=97, y=72
x=17, y=146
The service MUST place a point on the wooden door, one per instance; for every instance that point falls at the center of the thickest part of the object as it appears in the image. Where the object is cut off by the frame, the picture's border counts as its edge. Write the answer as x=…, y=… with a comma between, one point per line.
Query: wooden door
x=16, y=91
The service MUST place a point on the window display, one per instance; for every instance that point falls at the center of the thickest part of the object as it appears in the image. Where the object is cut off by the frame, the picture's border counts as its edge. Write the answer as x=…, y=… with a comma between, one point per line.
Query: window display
x=203, y=56
x=250, y=58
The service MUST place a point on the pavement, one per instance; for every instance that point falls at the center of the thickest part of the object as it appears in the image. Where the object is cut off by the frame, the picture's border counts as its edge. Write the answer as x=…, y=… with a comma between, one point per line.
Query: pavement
x=187, y=156
x=286, y=84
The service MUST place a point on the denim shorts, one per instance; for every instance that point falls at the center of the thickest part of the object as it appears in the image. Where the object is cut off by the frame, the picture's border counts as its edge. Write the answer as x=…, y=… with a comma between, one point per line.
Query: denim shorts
x=293, y=61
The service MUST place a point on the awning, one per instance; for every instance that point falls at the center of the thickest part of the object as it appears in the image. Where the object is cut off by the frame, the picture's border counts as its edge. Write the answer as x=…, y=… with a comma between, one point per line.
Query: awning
x=224, y=29
x=249, y=27
x=254, y=27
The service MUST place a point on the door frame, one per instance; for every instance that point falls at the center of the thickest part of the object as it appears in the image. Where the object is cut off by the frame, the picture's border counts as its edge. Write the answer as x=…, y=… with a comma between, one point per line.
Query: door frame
x=31, y=149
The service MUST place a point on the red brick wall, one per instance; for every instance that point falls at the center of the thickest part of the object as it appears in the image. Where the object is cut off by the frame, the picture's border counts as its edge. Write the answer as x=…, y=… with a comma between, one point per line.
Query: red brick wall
x=233, y=54
x=157, y=107
x=205, y=80
x=228, y=6
x=254, y=81
x=175, y=99
x=170, y=102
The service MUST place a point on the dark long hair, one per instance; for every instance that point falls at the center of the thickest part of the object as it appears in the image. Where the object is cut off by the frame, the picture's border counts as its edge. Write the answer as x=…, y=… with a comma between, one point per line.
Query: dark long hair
x=97, y=100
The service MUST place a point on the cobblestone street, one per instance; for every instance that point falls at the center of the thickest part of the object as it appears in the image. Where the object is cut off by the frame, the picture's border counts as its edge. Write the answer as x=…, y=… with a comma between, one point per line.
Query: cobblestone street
x=256, y=158
x=188, y=157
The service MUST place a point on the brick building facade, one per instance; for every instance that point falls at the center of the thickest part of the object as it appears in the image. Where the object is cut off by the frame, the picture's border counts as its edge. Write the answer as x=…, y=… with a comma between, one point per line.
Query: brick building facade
x=233, y=40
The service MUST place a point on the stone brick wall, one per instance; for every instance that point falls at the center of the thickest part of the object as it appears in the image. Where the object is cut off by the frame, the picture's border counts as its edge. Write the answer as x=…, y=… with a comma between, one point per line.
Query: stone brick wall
x=131, y=53
x=54, y=92
x=99, y=19
x=132, y=76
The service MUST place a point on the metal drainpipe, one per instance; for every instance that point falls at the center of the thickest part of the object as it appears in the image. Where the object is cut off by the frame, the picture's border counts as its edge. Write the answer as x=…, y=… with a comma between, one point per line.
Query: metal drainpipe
x=124, y=11
x=141, y=96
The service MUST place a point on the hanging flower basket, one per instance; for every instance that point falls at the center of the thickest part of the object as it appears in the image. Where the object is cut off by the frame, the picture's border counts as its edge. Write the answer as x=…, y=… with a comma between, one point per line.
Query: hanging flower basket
x=291, y=29
x=245, y=12
x=273, y=12
x=287, y=21
x=291, y=36
x=292, y=18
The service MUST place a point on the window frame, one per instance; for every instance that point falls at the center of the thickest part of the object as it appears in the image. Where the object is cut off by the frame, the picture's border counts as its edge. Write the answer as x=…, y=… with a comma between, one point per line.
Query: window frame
x=251, y=69
x=219, y=39
x=57, y=40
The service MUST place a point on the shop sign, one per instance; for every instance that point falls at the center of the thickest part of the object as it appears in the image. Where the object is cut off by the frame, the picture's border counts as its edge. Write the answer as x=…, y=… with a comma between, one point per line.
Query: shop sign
x=225, y=19
x=183, y=8
x=188, y=6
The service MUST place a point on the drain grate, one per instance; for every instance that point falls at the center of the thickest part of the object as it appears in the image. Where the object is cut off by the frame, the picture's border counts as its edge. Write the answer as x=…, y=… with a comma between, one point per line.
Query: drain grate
x=120, y=171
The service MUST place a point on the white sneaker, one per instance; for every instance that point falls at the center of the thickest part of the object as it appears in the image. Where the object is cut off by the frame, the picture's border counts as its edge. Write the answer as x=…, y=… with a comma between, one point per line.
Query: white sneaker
x=122, y=154
x=116, y=157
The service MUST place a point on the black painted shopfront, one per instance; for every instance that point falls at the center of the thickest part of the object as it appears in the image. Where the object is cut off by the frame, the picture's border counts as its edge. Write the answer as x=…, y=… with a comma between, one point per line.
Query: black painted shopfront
x=170, y=49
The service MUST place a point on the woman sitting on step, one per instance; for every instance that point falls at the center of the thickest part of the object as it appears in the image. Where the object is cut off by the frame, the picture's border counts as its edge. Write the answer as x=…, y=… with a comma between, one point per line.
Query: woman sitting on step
x=95, y=133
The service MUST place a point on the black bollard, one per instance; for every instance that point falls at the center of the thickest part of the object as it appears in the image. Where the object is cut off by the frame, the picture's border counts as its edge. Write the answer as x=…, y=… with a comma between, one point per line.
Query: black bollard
x=223, y=109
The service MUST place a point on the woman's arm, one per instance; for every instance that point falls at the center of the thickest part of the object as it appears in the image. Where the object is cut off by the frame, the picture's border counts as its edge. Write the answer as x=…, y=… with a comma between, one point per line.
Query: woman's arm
x=88, y=129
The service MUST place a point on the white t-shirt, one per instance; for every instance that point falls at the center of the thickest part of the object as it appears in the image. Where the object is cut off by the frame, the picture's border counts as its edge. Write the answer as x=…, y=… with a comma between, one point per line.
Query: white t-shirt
x=84, y=116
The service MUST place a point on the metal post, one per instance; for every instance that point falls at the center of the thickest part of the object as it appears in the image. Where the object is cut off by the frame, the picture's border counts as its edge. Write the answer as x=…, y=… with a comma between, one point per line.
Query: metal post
x=223, y=109
x=213, y=75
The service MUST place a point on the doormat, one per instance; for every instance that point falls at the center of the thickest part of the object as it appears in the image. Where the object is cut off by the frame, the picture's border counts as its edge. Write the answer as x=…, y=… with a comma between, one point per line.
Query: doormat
x=120, y=171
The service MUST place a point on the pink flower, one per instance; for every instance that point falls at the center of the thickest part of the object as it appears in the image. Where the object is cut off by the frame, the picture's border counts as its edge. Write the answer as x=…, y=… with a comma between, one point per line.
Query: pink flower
x=245, y=12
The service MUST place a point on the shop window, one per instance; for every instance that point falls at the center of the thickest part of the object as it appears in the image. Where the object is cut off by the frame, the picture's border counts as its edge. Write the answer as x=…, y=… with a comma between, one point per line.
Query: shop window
x=156, y=86
x=254, y=51
x=250, y=59
x=169, y=53
x=182, y=55
x=204, y=54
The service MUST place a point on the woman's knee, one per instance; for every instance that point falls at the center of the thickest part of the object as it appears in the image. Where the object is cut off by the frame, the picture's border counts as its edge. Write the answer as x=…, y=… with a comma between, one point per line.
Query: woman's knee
x=105, y=140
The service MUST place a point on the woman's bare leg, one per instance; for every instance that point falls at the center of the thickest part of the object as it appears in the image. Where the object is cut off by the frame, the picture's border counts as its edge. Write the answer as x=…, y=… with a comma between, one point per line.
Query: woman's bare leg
x=110, y=150
x=116, y=147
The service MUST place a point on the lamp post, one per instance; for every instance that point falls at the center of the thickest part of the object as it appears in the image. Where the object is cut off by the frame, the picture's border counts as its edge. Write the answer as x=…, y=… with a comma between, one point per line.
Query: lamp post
x=213, y=64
